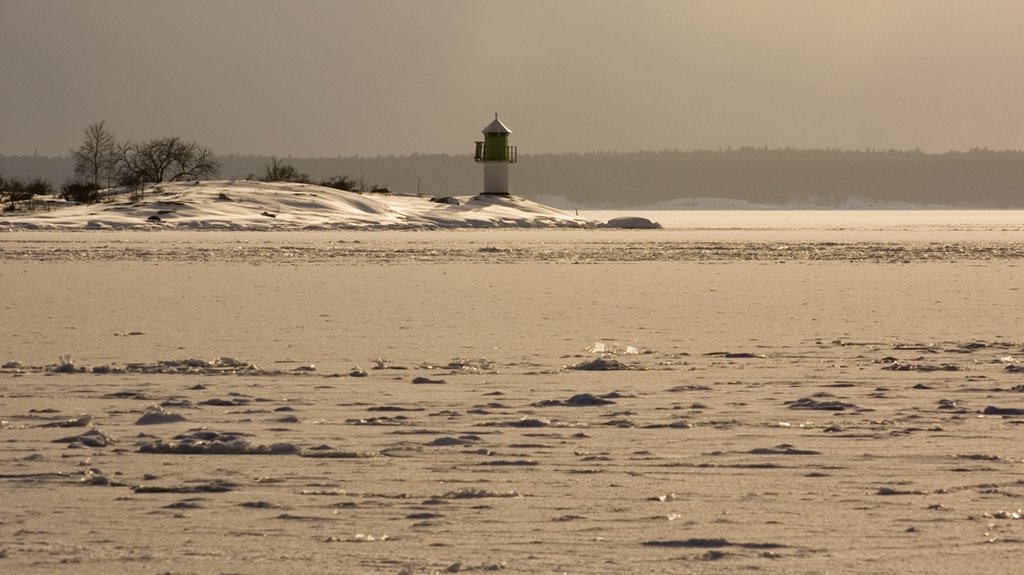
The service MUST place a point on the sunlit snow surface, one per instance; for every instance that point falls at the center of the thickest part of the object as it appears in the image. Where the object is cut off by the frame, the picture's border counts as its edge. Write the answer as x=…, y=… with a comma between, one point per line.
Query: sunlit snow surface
x=245, y=205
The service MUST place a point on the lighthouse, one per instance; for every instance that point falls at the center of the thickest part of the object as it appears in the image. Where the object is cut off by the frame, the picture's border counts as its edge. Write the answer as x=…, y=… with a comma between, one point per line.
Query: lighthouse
x=496, y=156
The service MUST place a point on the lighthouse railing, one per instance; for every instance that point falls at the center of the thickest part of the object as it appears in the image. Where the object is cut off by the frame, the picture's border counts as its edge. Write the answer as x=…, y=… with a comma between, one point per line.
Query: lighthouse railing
x=482, y=153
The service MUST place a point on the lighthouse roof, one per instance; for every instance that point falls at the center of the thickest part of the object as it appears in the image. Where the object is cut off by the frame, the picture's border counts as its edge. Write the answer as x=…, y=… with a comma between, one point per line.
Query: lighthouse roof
x=496, y=127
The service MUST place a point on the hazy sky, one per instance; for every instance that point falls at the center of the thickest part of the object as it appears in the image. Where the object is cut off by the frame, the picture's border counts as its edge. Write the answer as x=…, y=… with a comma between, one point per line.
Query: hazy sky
x=379, y=77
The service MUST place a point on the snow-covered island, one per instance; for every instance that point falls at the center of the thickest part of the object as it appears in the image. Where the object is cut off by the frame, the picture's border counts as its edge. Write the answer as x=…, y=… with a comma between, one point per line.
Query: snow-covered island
x=250, y=205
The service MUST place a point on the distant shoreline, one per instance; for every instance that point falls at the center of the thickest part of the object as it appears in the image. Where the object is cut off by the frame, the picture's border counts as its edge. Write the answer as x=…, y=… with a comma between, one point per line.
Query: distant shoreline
x=773, y=178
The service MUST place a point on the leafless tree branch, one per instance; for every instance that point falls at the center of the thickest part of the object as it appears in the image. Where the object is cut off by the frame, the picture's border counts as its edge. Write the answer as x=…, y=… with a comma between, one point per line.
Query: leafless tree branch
x=165, y=160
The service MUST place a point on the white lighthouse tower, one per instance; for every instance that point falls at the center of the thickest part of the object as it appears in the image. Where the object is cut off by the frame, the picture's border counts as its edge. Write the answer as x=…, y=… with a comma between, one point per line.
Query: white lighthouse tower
x=496, y=156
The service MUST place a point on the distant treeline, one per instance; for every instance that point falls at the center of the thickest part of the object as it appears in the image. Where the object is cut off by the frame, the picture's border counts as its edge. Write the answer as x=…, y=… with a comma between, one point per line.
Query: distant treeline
x=827, y=178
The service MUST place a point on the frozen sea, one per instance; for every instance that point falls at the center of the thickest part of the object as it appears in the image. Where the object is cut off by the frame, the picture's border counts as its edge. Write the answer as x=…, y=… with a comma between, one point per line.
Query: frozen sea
x=744, y=391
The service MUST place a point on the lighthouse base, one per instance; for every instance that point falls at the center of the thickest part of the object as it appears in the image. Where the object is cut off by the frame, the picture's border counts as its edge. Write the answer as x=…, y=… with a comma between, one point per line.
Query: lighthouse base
x=496, y=180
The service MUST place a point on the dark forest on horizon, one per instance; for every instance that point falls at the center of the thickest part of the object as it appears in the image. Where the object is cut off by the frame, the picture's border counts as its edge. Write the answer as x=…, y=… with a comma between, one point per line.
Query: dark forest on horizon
x=825, y=178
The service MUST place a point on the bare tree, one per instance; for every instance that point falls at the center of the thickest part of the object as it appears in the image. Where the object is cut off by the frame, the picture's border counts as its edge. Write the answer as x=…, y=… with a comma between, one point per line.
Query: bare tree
x=3, y=188
x=164, y=160
x=280, y=171
x=94, y=158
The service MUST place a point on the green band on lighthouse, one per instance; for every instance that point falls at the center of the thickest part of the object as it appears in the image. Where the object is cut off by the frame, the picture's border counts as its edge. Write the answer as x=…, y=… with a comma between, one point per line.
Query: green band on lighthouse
x=495, y=147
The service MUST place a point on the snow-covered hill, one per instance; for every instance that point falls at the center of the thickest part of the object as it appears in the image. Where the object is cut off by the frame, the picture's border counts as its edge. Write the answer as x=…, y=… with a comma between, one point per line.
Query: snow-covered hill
x=246, y=205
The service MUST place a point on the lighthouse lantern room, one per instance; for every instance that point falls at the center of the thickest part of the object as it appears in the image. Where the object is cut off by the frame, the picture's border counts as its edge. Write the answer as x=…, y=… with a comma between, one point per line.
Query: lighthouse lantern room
x=496, y=156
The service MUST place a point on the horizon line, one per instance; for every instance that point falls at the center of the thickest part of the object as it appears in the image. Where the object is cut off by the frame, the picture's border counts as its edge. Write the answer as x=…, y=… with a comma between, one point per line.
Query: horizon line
x=868, y=150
